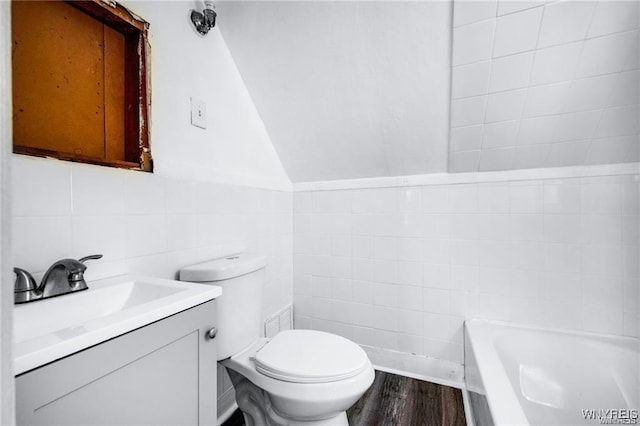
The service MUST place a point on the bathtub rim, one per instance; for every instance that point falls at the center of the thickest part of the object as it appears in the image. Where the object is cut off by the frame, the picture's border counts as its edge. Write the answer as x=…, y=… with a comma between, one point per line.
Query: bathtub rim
x=504, y=406
x=503, y=402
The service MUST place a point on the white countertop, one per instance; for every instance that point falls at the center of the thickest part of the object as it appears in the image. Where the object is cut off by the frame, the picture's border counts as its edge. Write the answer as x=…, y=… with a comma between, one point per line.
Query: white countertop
x=47, y=330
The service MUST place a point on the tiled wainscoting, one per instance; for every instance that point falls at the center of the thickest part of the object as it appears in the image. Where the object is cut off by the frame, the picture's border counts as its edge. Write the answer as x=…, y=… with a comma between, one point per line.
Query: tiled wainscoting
x=147, y=224
x=401, y=268
x=395, y=268
x=144, y=223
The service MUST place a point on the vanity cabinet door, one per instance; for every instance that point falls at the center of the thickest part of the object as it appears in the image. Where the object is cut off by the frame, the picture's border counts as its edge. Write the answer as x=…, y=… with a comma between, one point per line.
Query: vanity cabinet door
x=161, y=374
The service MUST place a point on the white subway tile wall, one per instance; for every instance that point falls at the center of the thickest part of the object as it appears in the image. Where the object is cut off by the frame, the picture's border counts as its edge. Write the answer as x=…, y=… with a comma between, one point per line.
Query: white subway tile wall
x=544, y=84
x=145, y=223
x=555, y=252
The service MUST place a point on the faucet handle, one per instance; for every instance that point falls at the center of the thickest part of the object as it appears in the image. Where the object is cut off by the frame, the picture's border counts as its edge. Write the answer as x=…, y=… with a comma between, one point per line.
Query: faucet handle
x=77, y=274
x=90, y=257
x=76, y=278
x=24, y=281
x=25, y=288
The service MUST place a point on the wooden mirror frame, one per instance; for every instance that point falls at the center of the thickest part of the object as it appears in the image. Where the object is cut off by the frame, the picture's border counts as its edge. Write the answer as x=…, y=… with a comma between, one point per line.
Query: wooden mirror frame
x=137, y=154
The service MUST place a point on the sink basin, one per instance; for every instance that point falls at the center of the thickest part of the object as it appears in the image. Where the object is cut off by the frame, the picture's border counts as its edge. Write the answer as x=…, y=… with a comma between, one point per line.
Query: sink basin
x=66, y=313
x=50, y=329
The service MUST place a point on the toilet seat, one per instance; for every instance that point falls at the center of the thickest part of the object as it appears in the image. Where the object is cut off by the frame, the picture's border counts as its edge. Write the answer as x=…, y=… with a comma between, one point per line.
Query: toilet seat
x=302, y=401
x=309, y=356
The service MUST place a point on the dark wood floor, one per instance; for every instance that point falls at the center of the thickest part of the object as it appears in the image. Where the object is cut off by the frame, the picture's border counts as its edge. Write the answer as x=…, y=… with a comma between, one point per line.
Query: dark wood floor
x=236, y=419
x=397, y=400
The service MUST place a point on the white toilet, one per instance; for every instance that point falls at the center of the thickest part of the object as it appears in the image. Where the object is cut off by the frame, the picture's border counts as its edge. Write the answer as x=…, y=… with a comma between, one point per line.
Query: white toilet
x=299, y=376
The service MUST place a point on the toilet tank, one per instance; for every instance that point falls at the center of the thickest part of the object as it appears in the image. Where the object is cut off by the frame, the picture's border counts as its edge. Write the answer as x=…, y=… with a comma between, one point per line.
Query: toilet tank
x=241, y=277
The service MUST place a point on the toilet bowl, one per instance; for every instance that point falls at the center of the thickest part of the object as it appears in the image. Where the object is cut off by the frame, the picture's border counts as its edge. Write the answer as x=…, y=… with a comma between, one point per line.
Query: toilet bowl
x=300, y=382
x=298, y=376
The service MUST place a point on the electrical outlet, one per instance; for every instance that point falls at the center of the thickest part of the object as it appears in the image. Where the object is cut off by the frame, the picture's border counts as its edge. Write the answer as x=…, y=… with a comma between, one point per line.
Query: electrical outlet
x=198, y=113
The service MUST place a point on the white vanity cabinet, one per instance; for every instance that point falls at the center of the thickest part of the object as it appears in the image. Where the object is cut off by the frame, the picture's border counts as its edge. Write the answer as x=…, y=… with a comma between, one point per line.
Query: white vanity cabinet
x=161, y=374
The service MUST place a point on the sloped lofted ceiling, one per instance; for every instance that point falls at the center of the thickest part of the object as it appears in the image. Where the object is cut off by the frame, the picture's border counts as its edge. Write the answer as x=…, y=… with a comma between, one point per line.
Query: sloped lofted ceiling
x=347, y=89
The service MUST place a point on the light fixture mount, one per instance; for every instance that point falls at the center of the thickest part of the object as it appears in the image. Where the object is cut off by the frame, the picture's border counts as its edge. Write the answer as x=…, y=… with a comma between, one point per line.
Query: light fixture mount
x=206, y=20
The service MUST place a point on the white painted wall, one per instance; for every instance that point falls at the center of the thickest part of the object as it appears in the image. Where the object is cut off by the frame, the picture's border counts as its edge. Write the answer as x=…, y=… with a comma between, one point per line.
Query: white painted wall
x=235, y=147
x=402, y=267
x=7, y=409
x=347, y=89
x=538, y=84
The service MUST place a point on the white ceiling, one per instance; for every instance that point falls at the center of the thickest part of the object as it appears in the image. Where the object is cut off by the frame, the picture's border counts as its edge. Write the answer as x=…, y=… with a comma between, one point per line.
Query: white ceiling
x=347, y=89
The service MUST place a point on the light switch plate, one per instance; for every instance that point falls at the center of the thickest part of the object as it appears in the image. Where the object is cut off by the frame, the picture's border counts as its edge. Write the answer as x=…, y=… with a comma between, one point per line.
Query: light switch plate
x=198, y=113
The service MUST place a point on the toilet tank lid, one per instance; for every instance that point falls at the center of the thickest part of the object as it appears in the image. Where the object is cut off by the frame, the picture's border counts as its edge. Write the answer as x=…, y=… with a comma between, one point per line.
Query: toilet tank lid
x=224, y=268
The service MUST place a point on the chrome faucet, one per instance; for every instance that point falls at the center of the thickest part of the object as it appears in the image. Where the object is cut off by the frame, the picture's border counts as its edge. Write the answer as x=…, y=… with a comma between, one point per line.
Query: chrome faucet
x=64, y=276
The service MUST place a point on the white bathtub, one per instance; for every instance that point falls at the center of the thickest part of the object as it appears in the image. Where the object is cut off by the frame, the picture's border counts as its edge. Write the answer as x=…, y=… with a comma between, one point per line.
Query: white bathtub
x=542, y=376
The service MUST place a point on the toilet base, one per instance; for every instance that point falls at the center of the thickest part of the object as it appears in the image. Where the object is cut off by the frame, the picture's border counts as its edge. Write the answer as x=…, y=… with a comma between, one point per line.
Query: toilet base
x=258, y=410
